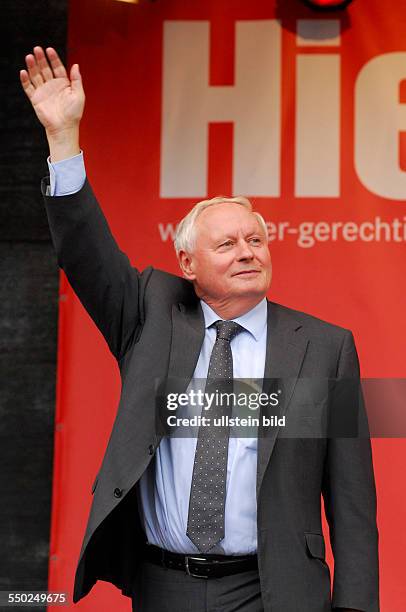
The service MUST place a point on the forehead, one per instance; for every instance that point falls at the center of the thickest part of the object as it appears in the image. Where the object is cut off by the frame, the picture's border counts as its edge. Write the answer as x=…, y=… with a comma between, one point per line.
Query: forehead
x=225, y=219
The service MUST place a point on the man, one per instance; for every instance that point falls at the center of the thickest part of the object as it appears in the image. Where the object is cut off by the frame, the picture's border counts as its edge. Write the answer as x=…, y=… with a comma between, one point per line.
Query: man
x=210, y=522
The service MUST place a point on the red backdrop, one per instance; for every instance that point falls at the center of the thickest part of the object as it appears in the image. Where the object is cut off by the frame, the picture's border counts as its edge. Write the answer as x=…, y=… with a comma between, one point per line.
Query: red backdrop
x=301, y=111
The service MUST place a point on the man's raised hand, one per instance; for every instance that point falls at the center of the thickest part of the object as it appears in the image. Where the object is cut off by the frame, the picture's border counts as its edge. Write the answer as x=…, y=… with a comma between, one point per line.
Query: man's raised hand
x=58, y=99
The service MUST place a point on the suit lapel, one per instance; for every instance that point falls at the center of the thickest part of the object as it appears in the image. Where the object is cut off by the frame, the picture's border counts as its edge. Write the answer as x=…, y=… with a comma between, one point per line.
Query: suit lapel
x=187, y=339
x=285, y=351
x=186, y=342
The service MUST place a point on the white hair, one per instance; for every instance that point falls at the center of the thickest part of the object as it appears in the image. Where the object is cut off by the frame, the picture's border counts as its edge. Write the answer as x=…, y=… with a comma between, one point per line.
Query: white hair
x=185, y=235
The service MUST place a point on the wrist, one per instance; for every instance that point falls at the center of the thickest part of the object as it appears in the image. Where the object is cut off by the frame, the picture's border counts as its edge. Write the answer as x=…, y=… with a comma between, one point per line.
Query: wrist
x=63, y=143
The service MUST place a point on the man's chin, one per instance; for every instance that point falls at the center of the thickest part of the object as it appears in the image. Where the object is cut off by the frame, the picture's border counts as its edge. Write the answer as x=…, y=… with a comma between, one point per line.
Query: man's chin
x=250, y=290
x=250, y=283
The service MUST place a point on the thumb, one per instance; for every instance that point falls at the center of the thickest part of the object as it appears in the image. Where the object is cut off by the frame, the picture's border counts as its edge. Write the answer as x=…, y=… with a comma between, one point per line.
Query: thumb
x=76, y=78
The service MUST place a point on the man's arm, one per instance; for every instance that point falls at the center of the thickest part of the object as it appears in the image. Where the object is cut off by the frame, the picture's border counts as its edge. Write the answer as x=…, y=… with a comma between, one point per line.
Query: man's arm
x=101, y=275
x=350, y=504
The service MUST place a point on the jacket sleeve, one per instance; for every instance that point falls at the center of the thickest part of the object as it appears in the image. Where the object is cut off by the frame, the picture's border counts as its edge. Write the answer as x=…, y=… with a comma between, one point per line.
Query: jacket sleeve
x=350, y=504
x=109, y=288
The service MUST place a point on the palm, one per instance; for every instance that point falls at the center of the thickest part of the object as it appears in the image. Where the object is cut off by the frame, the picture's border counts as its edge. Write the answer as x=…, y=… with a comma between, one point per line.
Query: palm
x=57, y=100
x=55, y=103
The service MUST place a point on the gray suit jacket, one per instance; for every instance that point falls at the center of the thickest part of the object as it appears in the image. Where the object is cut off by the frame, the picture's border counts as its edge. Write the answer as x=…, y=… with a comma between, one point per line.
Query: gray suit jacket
x=154, y=326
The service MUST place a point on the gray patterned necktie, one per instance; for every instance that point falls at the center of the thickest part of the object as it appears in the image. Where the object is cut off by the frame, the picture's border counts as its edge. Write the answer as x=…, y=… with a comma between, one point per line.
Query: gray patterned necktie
x=205, y=526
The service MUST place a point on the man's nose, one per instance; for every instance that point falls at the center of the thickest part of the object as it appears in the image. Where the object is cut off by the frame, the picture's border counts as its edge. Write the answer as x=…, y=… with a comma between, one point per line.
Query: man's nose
x=244, y=250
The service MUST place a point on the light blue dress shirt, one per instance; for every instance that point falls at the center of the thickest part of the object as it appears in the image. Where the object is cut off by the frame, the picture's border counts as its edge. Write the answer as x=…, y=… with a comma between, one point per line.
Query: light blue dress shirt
x=66, y=176
x=164, y=488
x=165, y=493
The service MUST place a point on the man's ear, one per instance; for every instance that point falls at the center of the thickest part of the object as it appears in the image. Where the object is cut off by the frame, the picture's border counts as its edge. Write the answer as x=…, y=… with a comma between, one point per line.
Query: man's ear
x=187, y=265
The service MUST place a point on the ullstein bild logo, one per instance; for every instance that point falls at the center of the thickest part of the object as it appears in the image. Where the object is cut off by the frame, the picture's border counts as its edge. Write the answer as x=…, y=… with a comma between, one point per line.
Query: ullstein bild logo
x=213, y=403
x=253, y=104
x=226, y=421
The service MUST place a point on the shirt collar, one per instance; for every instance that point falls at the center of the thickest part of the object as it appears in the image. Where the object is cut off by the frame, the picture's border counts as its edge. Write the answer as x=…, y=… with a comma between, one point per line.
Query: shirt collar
x=253, y=321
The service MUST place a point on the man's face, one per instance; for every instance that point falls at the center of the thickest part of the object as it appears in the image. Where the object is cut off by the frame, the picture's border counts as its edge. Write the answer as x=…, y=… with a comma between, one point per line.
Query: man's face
x=231, y=259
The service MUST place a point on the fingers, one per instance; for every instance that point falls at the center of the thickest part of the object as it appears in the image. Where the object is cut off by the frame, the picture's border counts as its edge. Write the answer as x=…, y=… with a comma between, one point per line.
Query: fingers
x=42, y=64
x=33, y=70
x=26, y=83
x=56, y=64
x=40, y=69
x=76, y=79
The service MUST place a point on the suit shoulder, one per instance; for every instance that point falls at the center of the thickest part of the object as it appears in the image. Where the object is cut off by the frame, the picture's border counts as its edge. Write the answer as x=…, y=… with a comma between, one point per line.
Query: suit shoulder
x=172, y=287
x=313, y=325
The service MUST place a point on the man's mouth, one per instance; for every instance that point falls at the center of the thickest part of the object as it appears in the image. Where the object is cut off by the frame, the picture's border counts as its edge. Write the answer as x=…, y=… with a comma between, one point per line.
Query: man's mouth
x=246, y=272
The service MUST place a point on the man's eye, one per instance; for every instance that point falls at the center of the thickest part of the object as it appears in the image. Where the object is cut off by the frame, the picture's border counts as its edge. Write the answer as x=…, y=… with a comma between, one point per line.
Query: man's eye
x=226, y=244
x=255, y=240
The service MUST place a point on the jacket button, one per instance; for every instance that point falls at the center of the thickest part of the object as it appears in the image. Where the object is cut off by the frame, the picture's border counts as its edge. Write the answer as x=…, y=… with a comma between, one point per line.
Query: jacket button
x=151, y=449
x=118, y=492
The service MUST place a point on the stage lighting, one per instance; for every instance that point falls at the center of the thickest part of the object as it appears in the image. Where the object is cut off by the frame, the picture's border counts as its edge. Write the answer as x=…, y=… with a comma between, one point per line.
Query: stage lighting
x=327, y=5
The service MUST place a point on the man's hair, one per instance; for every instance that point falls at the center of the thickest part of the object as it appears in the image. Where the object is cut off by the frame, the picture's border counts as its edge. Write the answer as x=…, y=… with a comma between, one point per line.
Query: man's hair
x=185, y=235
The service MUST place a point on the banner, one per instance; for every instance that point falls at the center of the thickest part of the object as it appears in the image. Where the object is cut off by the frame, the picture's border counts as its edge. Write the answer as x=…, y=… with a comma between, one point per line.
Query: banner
x=301, y=111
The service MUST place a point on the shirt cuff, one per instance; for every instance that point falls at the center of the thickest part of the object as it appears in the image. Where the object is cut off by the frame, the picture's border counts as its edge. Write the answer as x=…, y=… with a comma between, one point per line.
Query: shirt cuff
x=66, y=176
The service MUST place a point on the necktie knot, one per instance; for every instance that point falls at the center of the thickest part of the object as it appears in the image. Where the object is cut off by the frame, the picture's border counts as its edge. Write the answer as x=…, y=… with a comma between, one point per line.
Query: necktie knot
x=227, y=330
